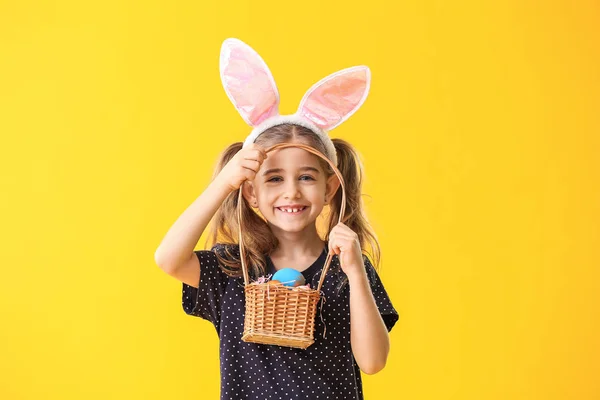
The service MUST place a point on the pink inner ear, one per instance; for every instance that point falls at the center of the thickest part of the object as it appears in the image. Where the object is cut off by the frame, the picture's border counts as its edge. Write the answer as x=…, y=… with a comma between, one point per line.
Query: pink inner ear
x=331, y=102
x=248, y=82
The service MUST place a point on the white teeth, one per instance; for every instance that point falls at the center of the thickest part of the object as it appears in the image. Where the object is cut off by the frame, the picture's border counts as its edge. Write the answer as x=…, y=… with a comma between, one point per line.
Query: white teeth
x=292, y=210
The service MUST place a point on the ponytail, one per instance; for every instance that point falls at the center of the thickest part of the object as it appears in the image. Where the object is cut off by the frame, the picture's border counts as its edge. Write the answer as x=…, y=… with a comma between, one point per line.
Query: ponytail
x=351, y=168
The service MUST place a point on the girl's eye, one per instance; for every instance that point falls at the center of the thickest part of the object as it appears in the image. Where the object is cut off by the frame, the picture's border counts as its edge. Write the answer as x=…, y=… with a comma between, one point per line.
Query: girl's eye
x=278, y=178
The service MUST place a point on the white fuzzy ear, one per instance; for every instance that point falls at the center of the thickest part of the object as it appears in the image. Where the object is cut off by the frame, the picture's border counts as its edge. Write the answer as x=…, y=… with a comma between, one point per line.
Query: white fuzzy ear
x=248, y=82
x=335, y=98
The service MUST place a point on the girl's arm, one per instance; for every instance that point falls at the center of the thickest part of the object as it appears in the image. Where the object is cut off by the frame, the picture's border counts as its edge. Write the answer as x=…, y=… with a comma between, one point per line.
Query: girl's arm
x=177, y=247
x=368, y=334
x=178, y=244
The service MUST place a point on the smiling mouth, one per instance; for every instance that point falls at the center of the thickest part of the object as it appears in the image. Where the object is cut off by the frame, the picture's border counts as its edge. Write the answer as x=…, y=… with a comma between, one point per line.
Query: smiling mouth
x=292, y=211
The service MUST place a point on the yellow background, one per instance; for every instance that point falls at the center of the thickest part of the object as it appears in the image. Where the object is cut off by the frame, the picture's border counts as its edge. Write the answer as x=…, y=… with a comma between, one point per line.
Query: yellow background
x=480, y=142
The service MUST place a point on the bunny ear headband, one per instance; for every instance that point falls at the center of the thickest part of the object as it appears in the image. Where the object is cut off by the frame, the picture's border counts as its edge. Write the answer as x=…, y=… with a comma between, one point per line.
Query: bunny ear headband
x=251, y=88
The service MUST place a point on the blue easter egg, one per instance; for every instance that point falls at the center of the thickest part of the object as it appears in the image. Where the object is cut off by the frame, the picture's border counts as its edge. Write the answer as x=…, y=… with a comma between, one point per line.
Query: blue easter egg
x=289, y=277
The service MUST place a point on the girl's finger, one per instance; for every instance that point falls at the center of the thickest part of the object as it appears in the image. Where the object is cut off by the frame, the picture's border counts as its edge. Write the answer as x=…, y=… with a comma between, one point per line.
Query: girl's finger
x=344, y=235
x=258, y=156
x=332, y=247
x=251, y=164
x=336, y=246
x=342, y=229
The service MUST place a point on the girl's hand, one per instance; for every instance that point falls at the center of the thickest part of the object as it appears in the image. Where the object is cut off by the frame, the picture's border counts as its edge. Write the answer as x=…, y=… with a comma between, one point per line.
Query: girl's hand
x=344, y=242
x=243, y=166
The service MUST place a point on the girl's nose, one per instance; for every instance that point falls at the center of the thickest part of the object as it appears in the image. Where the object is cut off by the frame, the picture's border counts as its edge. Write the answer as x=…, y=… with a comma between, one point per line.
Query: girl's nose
x=292, y=189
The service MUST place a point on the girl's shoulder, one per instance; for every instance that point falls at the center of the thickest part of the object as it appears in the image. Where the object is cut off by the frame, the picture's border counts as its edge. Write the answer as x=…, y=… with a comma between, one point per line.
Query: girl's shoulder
x=227, y=258
x=226, y=250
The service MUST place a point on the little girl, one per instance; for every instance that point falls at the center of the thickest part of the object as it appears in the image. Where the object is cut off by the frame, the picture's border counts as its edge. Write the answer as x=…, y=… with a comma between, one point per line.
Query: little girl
x=284, y=192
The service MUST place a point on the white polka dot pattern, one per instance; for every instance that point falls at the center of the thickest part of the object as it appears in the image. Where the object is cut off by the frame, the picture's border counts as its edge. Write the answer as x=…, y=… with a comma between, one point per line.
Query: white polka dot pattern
x=325, y=370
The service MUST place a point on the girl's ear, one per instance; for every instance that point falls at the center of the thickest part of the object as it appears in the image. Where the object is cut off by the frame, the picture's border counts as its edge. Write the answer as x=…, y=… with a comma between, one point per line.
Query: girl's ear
x=331, y=187
x=248, y=193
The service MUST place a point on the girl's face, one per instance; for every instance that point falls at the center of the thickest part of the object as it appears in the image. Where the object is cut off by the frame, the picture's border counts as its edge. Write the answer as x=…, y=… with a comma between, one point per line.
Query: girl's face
x=290, y=189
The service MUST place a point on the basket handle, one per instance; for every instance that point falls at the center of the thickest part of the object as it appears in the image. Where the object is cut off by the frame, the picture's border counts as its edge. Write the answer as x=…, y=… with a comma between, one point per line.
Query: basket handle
x=342, y=209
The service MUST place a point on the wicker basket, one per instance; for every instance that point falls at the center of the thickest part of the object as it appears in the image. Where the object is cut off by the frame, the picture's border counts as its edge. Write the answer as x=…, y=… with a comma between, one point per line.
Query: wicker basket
x=276, y=314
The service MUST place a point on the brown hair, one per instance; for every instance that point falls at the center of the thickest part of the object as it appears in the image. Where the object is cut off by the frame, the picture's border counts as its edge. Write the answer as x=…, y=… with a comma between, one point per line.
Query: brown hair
x=258, y=238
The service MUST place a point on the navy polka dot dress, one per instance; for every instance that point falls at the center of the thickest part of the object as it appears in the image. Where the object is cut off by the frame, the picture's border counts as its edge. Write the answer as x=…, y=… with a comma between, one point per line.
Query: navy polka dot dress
x=325, y=370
